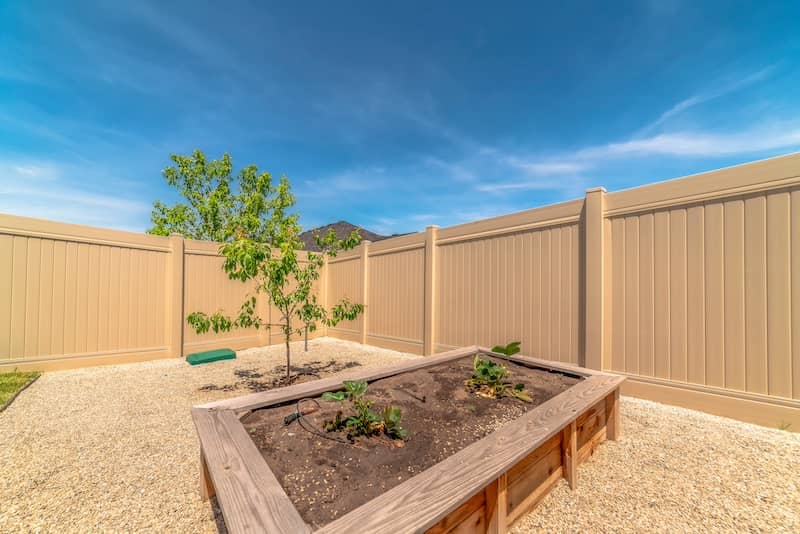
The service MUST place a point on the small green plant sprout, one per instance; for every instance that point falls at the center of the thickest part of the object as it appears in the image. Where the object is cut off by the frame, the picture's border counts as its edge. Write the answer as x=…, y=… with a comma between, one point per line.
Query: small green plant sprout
x=509, y=350
x=489, y=381
x=392, y=416
x=364, y=422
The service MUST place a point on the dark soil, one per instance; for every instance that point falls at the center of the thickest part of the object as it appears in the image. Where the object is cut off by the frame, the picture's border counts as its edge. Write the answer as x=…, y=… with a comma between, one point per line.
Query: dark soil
x=255, y=380
x=326, y=478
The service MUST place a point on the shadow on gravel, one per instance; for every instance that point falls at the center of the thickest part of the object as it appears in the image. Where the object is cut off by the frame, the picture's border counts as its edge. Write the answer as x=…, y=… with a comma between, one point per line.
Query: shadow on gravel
x=255, y=380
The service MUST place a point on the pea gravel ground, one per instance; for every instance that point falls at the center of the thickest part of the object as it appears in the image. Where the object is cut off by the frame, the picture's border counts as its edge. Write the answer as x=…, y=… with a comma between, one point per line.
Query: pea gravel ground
x=113, y=449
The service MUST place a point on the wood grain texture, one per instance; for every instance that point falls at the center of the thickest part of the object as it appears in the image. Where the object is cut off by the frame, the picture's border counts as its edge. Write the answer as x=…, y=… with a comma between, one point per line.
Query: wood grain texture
x=589, y=423
x=528, y=480
x=251, y=498
x=206, y=484
x=462, y=493
x=427, y=498
x=464, y=513
x=318, y=387
x=496, y=504
x=613, y=416
x=534, y=498
x=569, y=454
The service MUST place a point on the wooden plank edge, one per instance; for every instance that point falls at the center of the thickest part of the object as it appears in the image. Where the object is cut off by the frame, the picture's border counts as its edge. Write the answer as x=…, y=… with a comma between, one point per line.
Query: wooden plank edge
x=535, y=496
x=233, y=461
x=393, y=501
x=569, y=454
x=263, y=399
x=562, y=367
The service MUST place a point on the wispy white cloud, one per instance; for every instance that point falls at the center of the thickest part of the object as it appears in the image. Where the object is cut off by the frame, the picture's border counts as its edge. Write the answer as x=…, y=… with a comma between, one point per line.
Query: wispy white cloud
x=49, y=190
x=356, y=180
x=518, y=186
x=692, y=144
x=755, y=140
x=707, y=96
x=545, y=167
x=457, y=171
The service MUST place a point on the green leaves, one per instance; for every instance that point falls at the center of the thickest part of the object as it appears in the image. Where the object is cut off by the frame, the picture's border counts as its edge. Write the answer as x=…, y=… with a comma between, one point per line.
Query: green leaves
x=202, y=323
x=489, y=380
x=509, y=350
x=339, y=396
x=355, y=388
x=392, y=415
x=364, y=422
x=252, y=217
x=344, y=310
x=331, y=245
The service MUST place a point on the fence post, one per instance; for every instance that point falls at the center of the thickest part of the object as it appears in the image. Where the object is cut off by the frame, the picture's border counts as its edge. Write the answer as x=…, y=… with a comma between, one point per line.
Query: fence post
x=174, y=295
x=428, y=335
x=364, y=289
x=594, y=252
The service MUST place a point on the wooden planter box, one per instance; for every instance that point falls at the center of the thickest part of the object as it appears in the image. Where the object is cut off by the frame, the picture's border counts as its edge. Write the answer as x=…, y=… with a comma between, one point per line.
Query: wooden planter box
x=484, y=487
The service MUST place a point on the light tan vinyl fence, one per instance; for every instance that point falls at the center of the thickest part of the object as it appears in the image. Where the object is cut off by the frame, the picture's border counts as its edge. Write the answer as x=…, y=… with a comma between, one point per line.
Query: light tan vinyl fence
x=74, y=296
x=690, y=287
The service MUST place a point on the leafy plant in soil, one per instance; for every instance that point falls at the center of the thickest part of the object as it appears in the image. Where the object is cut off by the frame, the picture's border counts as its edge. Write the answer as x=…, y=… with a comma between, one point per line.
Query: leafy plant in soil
x=489, y=381
x=364, y=421
x=509, y=350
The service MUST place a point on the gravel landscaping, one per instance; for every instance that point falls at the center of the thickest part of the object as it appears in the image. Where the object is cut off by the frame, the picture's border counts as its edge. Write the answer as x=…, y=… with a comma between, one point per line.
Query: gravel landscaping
x=114, y=449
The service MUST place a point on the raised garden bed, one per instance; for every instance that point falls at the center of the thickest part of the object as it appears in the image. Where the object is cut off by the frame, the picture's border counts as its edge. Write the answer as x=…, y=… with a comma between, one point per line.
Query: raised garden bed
x=470, y=463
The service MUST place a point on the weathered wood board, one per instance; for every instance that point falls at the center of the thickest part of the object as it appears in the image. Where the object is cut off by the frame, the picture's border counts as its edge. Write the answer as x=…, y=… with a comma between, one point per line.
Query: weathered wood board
x=483, y=488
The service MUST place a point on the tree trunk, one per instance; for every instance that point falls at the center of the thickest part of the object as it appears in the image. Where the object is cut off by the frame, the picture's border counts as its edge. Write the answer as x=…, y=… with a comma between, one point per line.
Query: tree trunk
x=287, y=334
x=306, y=341
x=288, y=361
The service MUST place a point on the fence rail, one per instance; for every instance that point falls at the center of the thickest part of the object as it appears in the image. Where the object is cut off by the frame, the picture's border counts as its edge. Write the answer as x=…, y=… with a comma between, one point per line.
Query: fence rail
x=75, y=296
x=690, y=287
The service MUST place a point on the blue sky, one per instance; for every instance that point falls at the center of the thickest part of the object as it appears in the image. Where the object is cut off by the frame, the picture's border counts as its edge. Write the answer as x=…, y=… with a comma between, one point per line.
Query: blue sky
x=393, y=116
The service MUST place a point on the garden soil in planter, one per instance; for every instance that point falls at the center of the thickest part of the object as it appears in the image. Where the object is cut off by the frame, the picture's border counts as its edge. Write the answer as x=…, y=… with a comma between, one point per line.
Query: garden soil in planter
x=326, y=478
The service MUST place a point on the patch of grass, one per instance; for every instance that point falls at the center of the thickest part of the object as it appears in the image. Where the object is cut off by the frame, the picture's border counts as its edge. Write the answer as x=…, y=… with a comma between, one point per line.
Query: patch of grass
x=12, y=383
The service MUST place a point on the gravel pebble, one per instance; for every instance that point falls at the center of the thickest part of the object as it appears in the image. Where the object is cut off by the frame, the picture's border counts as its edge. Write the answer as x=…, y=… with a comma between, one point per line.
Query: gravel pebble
x=114, y=449
x=678, y=470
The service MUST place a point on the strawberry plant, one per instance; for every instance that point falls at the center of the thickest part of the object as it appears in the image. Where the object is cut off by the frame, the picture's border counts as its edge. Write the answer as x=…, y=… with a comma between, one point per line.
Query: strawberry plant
x=364, y=421
x=489, y=380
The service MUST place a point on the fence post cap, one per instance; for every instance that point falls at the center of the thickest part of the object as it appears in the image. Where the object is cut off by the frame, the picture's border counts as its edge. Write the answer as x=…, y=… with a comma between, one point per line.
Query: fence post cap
x=599, y=189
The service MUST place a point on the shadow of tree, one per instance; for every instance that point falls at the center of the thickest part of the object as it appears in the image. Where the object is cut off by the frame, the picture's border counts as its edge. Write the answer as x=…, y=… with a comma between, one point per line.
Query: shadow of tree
x=255, y=380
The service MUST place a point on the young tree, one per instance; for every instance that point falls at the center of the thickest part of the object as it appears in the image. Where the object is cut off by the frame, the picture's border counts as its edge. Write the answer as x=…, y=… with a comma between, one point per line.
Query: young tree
x=309, y=310
x=212, y=210
x=260, y=242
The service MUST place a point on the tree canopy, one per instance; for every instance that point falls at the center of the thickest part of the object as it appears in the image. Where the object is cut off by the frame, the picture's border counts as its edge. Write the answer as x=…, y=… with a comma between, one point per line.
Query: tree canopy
x=251, y=217
x=217, y=206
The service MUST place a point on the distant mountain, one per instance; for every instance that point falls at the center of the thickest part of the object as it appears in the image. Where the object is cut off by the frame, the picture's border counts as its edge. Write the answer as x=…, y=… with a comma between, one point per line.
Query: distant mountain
x=342, y=229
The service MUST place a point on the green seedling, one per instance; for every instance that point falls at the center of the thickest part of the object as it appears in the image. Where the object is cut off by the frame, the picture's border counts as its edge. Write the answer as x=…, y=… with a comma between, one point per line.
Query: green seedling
x=489, y=381
x=364, y=421
x=391, y=423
